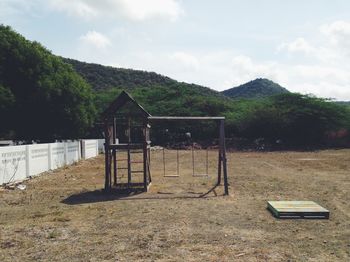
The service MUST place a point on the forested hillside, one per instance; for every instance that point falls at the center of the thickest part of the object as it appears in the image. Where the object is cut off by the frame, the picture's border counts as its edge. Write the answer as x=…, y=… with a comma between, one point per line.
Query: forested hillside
x=258, y=88
x=106, y=77
x=44, y=98
x=261, y=109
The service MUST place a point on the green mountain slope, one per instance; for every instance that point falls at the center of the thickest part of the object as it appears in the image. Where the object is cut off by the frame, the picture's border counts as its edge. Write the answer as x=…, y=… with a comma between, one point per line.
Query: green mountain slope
x=42, y=98
x=103, y=77
x=258, y=88
x=344, y=103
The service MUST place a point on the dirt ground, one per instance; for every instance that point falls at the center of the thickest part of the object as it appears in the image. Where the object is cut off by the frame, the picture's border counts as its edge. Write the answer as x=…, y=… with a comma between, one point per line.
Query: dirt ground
x=64, y=216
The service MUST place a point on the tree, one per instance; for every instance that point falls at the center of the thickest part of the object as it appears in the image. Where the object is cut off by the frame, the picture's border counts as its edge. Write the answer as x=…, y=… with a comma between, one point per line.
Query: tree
x=299, y=120
x=46, y=99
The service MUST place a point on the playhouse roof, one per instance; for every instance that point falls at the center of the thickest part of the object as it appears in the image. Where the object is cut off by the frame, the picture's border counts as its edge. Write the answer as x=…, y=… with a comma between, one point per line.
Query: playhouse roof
x=119, y=102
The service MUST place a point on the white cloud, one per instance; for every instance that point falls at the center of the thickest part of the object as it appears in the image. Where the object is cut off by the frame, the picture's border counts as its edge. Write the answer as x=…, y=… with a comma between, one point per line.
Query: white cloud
x=338, y=34
x=142, y=10
x=96, y=39
x=185, y=60
x=135, y=10
x=332, y=47
x=12, y=11
x=326, y=71
x=298, y=45
x=75, y=8
x=338, y=31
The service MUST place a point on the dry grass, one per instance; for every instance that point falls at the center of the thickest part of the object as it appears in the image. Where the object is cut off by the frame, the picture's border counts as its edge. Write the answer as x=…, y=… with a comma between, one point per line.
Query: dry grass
x=63, y=215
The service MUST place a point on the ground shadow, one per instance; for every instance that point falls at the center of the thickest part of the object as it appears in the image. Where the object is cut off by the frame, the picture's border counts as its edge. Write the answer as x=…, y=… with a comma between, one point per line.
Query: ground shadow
x=101, y=195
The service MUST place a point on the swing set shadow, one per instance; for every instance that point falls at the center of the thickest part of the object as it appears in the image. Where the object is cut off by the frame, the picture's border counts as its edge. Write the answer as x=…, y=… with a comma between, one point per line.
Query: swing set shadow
x=134, y=194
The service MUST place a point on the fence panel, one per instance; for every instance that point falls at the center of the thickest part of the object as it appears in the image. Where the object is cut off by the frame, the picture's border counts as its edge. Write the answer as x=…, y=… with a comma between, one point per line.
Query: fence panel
x=38, y=159
x=89, y=148
x=13, y=163
x=73, y=153
x=20, y=162
x=57, y=155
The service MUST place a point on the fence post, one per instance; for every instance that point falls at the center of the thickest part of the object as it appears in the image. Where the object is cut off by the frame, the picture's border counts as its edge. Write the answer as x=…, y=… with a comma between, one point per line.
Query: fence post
x=2, y=170
x=49, y=152
x=65, y=153
x=28, y=158
x=96, y=142
x=79, y=149
x=83, y=155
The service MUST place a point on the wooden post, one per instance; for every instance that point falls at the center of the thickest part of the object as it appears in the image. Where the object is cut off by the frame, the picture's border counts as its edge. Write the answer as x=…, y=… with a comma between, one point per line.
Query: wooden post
x=177, y=163
x=107, y=158
x=149, y=163
x=192, y=160
x=129, y=156
x=145, y=182
x=114, y=152
x=219, y=156
x=163, y=161
x=223, y=154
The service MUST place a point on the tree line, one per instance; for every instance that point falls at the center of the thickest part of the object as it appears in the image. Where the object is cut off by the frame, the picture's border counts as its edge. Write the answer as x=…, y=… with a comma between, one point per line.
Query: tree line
x=43, y=98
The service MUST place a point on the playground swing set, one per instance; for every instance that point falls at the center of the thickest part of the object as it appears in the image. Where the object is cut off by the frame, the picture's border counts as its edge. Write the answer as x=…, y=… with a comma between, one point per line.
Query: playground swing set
x=127, y=130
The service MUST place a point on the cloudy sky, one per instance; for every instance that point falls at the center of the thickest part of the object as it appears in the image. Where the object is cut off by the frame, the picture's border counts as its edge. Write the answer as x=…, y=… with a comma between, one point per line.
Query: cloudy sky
x=302, y=45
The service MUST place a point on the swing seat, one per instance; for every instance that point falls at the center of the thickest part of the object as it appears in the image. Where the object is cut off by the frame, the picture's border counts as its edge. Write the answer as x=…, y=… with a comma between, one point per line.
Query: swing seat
x=171, y=176
x=200, y=175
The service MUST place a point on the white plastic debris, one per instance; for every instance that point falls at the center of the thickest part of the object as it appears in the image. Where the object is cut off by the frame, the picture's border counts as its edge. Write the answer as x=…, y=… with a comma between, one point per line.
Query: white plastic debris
x=21, y=187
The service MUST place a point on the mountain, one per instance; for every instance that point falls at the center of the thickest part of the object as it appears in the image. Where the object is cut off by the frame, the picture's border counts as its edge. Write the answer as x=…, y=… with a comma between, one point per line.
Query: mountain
x=103, y=78
x=344, y=103
x=52, y=97
x=257, y=88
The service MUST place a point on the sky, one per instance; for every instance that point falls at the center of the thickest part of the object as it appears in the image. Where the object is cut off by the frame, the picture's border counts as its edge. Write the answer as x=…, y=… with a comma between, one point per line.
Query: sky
x=302, y=45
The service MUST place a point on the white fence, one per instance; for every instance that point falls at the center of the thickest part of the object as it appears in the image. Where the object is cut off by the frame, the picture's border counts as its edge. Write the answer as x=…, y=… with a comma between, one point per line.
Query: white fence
x=89, y=148
x=20, y=162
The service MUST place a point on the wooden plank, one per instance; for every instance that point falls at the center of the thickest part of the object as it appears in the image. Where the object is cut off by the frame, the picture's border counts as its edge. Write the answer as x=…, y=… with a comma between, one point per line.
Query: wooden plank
x=186, y=118
x=219, y=157
x=107, y=157
x=171, y=176
x=297, y=209
x=126, y=146
x=200, y=175
x=223, y=151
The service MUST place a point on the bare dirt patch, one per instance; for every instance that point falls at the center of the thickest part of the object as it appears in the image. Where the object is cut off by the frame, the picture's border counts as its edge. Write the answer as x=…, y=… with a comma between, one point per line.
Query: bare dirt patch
x=63, y=215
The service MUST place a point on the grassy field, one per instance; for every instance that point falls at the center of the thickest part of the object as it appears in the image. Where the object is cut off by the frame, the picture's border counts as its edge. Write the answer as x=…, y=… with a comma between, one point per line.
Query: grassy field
x=64, y=216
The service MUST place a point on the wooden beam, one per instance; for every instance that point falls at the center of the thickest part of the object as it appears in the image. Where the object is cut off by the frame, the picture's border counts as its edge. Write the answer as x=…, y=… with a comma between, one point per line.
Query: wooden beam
x=128, y=151
x=107, y=157
x=186, y=118
x=114, y=152
x=223, y=153
x=126, y=146
x=219, y=155
x=145, y=151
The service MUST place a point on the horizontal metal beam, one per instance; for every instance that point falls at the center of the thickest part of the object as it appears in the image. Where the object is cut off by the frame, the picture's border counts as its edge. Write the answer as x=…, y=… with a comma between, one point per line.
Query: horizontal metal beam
x=186, y=118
